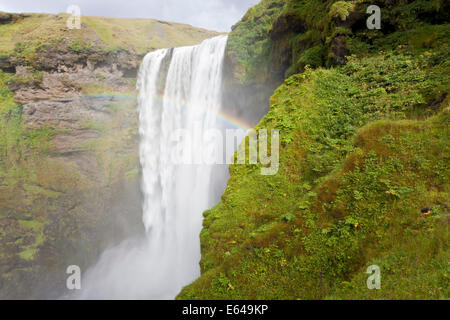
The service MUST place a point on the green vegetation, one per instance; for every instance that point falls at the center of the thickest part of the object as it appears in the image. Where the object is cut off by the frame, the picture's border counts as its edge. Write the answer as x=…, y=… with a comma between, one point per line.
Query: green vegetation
x=113, y=148
x=365, y=147
x=7, y=97
x=35, y=229
x=341, y=9
x=249, y=40
x=21, y=186
x=144, y=35
x=284, y=36
x=46, y=201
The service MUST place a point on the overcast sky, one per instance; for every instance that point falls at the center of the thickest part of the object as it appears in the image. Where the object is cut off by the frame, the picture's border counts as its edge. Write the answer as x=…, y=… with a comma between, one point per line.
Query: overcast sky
x=217, y=15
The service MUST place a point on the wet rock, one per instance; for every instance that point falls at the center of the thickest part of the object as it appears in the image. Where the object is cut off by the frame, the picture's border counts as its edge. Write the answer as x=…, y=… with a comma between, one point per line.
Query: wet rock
x=71, y=96
x=66, y=84
x=339, y=50
x=71, y=113
x=30, y=111
x=286, y=23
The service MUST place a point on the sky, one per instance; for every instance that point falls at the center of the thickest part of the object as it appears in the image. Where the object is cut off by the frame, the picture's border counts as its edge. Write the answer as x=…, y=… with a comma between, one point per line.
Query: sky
x=217, y=15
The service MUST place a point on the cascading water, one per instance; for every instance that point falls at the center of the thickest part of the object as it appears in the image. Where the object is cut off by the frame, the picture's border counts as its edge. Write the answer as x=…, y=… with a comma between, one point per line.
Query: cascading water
x=175, y=195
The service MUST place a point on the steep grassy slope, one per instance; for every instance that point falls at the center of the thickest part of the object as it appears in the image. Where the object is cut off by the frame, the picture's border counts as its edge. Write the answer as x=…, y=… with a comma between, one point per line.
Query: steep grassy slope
x=363, y=178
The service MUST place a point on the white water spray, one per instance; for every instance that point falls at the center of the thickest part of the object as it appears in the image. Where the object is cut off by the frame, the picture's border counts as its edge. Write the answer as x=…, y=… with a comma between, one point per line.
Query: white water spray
x=175, y=196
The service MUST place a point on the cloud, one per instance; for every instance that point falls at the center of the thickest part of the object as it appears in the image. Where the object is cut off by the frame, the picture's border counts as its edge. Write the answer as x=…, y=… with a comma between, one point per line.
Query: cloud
x=217, y=15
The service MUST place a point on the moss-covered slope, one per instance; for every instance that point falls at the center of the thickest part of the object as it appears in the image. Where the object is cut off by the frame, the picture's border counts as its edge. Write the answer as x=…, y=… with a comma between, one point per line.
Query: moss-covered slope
x=363, y=178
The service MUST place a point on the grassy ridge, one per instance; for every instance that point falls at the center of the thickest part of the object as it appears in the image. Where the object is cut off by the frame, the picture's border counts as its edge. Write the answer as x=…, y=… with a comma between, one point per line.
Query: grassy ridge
x=140, y=35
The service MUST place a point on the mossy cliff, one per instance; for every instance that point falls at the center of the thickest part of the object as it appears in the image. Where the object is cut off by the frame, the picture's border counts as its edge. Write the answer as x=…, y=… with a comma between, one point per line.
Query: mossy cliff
x=364, y=158
x=278, y=38
x=69, y=168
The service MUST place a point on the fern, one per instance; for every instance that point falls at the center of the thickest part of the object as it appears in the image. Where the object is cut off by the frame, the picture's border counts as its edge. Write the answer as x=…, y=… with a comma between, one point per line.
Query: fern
x=341, y=9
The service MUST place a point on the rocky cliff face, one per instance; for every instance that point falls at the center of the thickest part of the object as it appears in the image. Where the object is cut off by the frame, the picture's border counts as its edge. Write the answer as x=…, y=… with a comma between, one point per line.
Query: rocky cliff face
x=69, y=169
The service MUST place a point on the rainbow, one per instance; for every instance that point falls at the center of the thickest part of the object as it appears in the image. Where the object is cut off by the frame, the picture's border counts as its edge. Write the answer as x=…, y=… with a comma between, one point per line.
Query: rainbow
x=222, y=116
x=233, y=121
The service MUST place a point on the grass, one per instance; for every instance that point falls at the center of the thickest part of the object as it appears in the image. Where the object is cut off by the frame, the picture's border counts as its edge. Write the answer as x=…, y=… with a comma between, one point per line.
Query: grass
x=36, y=228
x=6, y=96
x=140, y=35
x=34, y=190
x=31, y=224
x=147, y=34
x=28, y=254
x=95, y=89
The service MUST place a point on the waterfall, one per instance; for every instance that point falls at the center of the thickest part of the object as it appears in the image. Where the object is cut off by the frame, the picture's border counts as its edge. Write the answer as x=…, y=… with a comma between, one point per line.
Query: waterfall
x=185, y=97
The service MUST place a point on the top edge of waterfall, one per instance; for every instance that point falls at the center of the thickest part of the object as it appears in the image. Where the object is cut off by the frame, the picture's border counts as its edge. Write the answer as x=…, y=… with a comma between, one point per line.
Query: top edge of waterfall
x=190, y=46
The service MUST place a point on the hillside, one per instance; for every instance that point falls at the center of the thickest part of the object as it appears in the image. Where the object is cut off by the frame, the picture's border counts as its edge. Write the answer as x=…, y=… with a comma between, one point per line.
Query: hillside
x=139, y=35
x=69, y=162
x=363, y=117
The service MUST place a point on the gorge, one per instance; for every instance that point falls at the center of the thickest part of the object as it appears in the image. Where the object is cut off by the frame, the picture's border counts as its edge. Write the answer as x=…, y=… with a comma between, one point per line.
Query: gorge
x=364, y=152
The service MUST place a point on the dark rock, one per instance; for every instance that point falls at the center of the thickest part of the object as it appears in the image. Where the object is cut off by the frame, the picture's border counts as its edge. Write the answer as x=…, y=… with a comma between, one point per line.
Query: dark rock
x=250, y=101
x=356, y=20
x=286, y=23
x=6, y=65
x=426, y=210
x=436, y=103
x=339, y=50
